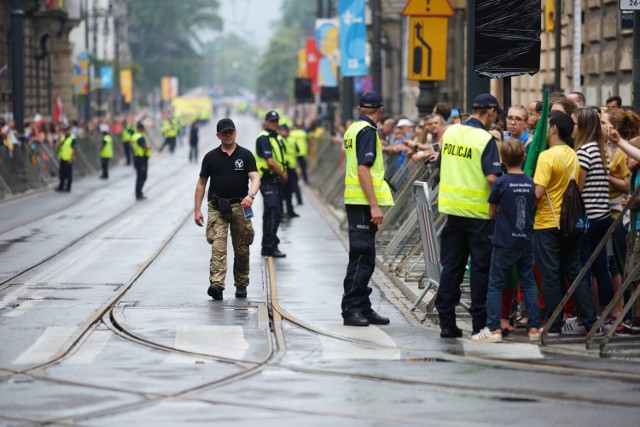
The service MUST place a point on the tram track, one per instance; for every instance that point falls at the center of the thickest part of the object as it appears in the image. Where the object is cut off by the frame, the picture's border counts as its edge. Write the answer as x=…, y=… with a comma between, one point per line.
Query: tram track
x=6, y=282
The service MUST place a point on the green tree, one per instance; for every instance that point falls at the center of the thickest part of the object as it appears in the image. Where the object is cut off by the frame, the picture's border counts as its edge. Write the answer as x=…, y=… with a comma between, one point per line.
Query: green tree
x=166, y=38
x=230, y=64
x=279, y=64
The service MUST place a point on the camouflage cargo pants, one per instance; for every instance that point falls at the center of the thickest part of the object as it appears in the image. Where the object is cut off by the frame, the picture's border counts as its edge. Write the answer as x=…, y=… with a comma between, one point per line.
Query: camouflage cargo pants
x=241, y=238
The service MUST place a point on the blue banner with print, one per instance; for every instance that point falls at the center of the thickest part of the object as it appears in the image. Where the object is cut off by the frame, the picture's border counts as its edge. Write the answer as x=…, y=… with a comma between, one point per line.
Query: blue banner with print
x=106, y=75
x=353, y=38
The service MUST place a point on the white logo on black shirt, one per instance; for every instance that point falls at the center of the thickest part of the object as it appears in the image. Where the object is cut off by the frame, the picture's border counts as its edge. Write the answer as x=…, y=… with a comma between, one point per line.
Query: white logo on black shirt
x=239, y=164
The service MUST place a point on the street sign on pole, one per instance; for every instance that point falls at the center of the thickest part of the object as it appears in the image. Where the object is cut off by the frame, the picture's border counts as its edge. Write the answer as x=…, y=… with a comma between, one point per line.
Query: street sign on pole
x=428, y=8
x=427, y=48
x=629, y=4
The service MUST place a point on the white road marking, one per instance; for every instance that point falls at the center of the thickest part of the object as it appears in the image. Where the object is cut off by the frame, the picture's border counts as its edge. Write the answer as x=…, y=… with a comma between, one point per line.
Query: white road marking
x=224, y=341
x=47, y=345
x=335, y=349
x=89, y=349
x=502, y=351
x=80, y=258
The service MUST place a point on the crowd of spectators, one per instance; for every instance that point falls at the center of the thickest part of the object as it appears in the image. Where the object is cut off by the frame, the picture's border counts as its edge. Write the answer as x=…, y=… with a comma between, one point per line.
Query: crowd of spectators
x=604, y=177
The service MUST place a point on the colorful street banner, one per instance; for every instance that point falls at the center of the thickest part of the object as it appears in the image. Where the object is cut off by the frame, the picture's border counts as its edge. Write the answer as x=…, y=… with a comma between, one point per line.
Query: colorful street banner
x=327, y=42
x=81, y=74
x=302, y=63
x=169, y=88
x=106, y=76
x=313, y=56
x=353, y=39
x=126, y=85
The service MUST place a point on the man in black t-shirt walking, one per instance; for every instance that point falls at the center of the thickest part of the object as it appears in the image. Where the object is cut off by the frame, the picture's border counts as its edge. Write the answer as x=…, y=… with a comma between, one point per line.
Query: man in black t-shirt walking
x=230, y=168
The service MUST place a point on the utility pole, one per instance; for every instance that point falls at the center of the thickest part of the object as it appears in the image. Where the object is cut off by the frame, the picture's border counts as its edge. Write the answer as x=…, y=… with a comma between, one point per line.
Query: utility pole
x=557, y=22
x=115, y=90
x=17, y=62
x=376, y=45
x=635, y=96
x=87, y=103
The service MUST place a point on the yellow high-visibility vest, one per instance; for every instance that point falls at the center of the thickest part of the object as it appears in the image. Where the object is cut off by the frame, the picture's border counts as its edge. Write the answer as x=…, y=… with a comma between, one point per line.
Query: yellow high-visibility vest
x=353, y=192
x=65, y=152
x=300, y=137
x=138, y=151
x=464, y=189
x=106, y=152
x=277, y=152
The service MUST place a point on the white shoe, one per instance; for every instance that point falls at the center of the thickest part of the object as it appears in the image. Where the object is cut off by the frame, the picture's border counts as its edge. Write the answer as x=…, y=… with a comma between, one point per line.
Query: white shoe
x=572, y=327
x=485, y=335
x=535, y=335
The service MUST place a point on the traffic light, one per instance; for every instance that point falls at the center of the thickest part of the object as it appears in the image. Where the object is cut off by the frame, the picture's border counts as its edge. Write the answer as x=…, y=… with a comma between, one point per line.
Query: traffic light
x=549, y=12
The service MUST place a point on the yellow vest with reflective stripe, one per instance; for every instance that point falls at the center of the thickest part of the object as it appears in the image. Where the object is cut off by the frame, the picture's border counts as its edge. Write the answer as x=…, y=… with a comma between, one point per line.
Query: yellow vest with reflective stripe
x=277, y=153
x=126, y=134
x=106, y=152
x=138, y=151
x=464, y=189
x=353, y=192
x=65, y=152
x=300, y=138
x=291, y=152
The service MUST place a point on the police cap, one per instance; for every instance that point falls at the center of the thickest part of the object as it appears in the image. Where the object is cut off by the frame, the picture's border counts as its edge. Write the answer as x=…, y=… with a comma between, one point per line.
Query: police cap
x=371, y=100
x=272, y=116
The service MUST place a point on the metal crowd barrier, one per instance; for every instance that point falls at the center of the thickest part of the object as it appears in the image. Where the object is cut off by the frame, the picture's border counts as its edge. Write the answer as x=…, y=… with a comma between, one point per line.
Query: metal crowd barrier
x=403, y=250
x=34, y=165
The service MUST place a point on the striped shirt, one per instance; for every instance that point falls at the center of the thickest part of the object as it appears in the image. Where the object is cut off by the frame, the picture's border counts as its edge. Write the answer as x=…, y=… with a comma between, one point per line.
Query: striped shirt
x=595, y=192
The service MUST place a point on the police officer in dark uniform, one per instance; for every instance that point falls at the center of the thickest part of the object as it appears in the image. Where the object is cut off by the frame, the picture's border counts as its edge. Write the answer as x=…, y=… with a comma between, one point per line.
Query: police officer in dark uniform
x=66, y=156
x=469, y=164
x=365, y=192
x=271, y=165
x=141, y=153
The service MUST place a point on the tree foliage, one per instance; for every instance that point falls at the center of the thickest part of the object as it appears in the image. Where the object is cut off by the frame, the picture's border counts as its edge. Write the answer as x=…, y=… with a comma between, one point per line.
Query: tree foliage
x=166, y=38
x=279, y=64
x=230, y=64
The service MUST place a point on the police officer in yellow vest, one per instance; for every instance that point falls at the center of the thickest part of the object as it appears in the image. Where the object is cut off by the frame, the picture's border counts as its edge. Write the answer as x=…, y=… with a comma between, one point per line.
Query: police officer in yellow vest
x=169, y=131
x=127, y=131
x=141, y=153
x=469, y=164
x=291, y=160
x=106, y=150
x=271, y=165
x=299, y=135
x=66, y=156
x=365, y=192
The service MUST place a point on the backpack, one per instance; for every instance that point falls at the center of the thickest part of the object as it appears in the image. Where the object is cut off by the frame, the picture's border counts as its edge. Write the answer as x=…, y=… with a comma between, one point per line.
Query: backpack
x=574, y=220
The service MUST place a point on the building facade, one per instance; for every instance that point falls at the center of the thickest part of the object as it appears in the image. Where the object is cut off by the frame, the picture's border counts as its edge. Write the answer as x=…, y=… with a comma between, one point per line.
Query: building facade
x=47, y=56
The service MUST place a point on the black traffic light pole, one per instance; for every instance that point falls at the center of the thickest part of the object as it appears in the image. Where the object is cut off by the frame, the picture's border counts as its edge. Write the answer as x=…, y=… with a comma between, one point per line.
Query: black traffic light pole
x=17, y=64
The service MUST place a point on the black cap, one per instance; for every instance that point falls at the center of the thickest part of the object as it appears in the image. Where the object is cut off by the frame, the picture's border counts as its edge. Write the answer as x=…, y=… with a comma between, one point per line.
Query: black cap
x=283, y=126
x=225, y=124
x=371, y=100
x=272, y=116
x=139, y=125
x=485, y=100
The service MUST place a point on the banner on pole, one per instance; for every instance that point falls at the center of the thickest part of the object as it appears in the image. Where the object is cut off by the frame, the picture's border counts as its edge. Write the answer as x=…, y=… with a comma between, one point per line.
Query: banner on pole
x=353, y=39
x=327, y=41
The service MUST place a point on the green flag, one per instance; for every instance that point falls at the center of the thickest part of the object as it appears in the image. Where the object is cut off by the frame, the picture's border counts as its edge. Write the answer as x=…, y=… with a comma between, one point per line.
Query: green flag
x=539, y=142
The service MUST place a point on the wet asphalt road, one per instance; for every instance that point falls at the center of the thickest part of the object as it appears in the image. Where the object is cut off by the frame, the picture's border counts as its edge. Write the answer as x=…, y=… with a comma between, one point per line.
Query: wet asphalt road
x=111, y=325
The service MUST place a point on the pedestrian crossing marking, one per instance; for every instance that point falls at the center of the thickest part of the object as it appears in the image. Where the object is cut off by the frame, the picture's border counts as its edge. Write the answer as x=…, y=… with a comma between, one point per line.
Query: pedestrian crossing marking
x=90, y=349
x=222, y=341
x=336, y=349
x=502, y=351
x=46, y=346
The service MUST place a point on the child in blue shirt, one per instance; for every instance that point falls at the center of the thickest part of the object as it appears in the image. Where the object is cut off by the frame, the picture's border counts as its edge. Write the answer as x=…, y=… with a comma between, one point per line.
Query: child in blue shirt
x=511, y=203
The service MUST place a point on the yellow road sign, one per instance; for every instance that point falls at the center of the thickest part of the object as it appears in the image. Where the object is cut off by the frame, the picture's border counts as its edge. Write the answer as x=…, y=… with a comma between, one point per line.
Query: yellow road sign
x=428, y=8
x=427, y=48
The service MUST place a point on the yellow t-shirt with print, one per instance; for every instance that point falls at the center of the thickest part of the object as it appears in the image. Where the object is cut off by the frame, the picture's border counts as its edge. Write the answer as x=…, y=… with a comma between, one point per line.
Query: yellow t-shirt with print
x=618, y=169
x=552, y=175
